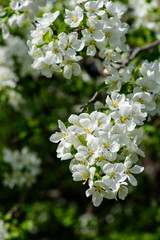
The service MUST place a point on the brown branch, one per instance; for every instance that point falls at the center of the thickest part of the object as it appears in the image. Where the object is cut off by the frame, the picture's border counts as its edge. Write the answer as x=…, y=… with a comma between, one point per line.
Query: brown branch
x=137, y=51
x=34, y=24
x=134, y=53
x=15, y=208
x=90, y=101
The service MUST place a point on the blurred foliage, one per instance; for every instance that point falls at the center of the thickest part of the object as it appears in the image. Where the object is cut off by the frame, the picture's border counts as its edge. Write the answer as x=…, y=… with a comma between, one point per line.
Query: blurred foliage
x=56, y=207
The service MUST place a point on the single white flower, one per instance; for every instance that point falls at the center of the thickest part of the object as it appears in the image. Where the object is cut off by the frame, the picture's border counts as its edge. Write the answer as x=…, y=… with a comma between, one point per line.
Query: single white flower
x=74, y=18
x=114, y=175
x=48, y=18
x=98, y=192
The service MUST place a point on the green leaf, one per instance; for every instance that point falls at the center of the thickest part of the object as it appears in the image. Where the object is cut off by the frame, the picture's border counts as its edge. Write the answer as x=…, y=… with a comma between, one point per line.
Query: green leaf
x=73, y=151
x=68, y=124
x=102, y=86
x=62, y=27
x=47, y=37
x=7, y=217
x=82, y=140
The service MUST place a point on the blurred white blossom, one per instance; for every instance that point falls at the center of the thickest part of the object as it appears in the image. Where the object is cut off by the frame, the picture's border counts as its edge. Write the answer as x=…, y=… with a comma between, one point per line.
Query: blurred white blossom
x=24, y=167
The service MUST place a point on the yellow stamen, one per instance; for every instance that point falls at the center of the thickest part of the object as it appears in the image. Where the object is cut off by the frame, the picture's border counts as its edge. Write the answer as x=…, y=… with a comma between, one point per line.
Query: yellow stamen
x=92, y=9
x=114, y=104
x=128, y=170
x=93, y=43
x=101, y=159
x=140, y=101
x=68, y=44
x=98, y=188
x=63, y=135
x=88, y=130
x=91, y=29
x=123, y=118
x=55, y=50
x=85, y=178
x=75, y=19
x=106, y=144
x=90, y=152
x=112, y=175
x=107, y=35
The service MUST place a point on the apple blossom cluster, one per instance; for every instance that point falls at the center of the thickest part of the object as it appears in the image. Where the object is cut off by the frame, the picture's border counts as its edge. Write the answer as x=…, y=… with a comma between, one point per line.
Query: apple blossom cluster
x=23, y=168
x=7, y=77
x=146, y=14
x=93, y=28
x=3, y=231
x=14, y=98
x=19, y=12
x=15, y=51
x=104, y=148
x=24, y=9
x=88, y=224
x=103, y=145
x=18, y=51
x=147, y=88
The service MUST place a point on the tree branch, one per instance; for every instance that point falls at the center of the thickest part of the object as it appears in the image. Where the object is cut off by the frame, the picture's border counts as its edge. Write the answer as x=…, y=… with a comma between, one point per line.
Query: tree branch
x=137, y=51
x=17, y=206
x=134, y=53
x=90, y=101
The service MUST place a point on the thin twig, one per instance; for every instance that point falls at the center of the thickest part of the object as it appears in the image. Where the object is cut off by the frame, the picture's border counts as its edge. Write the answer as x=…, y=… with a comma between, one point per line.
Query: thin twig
x=90, y=101
x=17, y=206
x=34, y=24
x=137, y=51
x=134, y=53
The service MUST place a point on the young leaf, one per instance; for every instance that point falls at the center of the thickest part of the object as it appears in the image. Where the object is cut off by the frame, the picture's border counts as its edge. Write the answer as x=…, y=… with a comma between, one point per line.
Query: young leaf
x=62, y=27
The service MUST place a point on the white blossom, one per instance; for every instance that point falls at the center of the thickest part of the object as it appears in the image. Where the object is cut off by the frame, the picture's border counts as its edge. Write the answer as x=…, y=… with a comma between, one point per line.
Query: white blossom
x=25, y=167
x=74, y=18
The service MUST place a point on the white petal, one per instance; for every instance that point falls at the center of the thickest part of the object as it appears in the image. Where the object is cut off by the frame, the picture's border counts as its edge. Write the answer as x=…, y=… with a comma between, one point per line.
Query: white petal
x=137, y=169
x=97, y=198
x=123, y=192
x=67, y=71
x=56, y=137
x=62, y=127
x=91, y=50
x=108, y=195
x=132, y=179
x=98, y=36
x=76, y=69
x=89, y=192
x=67, y=156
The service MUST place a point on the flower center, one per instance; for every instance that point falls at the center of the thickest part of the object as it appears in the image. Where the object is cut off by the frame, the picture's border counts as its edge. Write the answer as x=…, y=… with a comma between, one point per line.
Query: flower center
x=63, y=135
x=123, y=118
x=68, y=44
x=101, y=159
x=128, y=170
x=90, y=152
x=93, y=43
x=92, y=9
x=112, y=175
x=91, y=29
x=55, y=50
x=75, y=19
x=114, y=104
x=98, y=188
x=88, y=130
x=107, y=35
x=140, y=101
x=106, y=144
x=85, y=178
